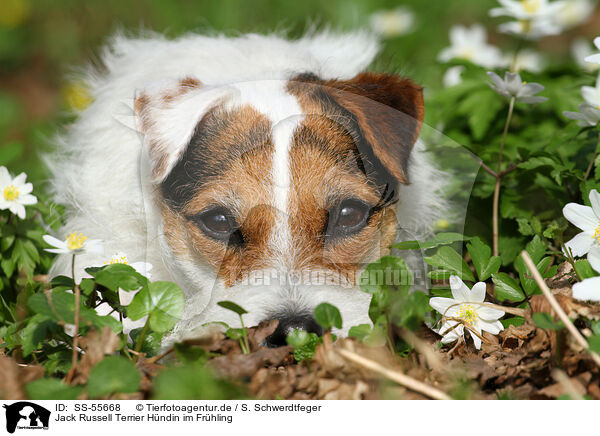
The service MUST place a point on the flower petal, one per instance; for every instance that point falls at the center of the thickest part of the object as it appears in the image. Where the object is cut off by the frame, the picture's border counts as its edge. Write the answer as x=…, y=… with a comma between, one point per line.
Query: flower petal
x=5, y=178
x=493, y=327
x=460, y=291
x=442, y=304
x=489, y=313
x=594, y=257
x=476, y=339
x=587, y=290
x=51, y=240
x=20, y=179
x=580, y=244
x=581, y=216
x=595, y=202
x=28, y=199
x=478, y=292
x=57, y=250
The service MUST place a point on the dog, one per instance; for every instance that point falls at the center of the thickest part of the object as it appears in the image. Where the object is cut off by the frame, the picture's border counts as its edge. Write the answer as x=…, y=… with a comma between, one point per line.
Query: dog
x=243, y=167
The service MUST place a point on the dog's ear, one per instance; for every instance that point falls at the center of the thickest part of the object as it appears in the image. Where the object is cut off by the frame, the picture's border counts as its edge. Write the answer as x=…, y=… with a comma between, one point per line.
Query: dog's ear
x=389, y=112
x=167, y=114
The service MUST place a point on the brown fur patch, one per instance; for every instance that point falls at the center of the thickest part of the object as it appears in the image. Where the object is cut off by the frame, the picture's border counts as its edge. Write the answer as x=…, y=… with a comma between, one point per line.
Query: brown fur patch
x=228, y=164
x=388, y=110
x=324, y=172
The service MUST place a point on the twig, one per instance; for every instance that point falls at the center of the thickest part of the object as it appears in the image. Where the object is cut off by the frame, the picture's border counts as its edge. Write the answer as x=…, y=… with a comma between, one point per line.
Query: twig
x=512, y=310
x=567, y=384
x=511, y=106
x=425, y=349
x=488, y=169
x=556, y=307
x=398, y=377
x=160, y=356
x=75, y=355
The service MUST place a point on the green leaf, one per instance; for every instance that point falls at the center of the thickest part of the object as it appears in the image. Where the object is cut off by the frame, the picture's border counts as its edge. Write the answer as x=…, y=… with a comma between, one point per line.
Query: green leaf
x=230, y=305
x=114, y=374
x=584, y=269
x=189, y=354
x=484, y=264
x=448, y=259
x=35, y=332
x=491, y=268
x=545, y=321
x=594, y=342
x=507, y=288
x=360, y=331
x=162, y=301
x=62, y=283
x=328, y=316
x=297, y=338
x=87, y=286
x=192, y=382
x=151, y=343
x=51, y=389
x=309, y=344
x=118, y=276
x=439, y=239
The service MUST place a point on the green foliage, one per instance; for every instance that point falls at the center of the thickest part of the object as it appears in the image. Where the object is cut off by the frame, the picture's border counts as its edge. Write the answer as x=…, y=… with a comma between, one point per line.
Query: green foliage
x=114, y=374
x=304, y=344
x=545, y=321
x=193, y=382
x=328, y=316
x=51, y=389
x=161, y=302
x=449, y=261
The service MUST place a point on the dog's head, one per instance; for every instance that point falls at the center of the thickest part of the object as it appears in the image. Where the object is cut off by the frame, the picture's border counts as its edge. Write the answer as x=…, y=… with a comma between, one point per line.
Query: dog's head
x=274, y=194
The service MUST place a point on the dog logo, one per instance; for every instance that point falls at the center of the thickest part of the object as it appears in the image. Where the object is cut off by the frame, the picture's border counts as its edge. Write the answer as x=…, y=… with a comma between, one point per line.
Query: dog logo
x=26, y=415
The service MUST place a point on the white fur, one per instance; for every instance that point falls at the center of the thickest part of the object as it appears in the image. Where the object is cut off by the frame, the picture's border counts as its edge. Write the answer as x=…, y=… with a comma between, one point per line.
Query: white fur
x=102, y=173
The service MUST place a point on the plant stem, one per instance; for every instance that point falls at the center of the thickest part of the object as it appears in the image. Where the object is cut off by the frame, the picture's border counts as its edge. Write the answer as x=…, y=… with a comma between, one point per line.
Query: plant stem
x=140, y=340
x=511, y=106
x=591, y=165
x=76, y=334
x=245, y=345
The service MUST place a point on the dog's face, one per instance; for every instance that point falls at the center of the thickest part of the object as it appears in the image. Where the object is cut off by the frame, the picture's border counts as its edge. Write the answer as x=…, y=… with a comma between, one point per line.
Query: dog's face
x=274, y=194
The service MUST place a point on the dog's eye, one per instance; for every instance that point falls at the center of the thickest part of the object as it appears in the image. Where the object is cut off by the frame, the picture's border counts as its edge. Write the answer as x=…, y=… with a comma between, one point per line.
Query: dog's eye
x=348, y=217
x=217, y=223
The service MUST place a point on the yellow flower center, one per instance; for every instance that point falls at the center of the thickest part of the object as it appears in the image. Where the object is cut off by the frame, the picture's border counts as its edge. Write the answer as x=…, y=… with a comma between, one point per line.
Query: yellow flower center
x=467, y=53
x=467, y=313
x=116, y=259
x=11, y=193
x=597, y=234
x=75, y=240
x=531, y=6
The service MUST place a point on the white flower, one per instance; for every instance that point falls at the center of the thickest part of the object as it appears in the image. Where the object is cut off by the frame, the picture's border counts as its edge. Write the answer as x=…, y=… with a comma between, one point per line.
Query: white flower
x=531, y=29
x=581, y=49
x=528, y=60
x=587, y=115
x=595, y=58
x=513, y=86
x=589, y=112
x=468, y=306
x=393, y=22
x=452, y=76
x=15, y=194
x=142, y=267
x=471, y=44
x=75, y=243
x=588, y=289
x=527, y=9
x=573, y=13
x=591, y=94
x=587, y=219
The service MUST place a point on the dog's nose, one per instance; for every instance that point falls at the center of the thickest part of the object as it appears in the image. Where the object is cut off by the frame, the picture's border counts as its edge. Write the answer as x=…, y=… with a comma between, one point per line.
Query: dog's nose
x=287, y=323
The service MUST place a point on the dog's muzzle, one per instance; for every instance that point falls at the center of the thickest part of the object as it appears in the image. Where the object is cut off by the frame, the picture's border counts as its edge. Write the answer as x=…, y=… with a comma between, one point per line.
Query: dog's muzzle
x=289, y=322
